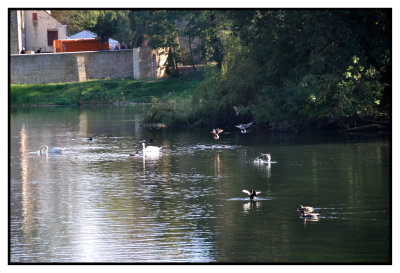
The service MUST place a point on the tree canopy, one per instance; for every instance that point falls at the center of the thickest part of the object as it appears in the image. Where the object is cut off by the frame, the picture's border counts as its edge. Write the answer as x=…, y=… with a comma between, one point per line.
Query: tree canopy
x=280, y=67
x=303, y=68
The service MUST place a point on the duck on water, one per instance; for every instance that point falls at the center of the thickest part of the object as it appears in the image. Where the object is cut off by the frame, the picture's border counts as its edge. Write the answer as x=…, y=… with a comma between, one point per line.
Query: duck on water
x=252, y=194
x=263, y=158
x=216, y=132
x=305, y=209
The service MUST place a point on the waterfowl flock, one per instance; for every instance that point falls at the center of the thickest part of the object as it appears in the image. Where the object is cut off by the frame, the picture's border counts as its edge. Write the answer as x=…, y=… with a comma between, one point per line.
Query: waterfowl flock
x=306, y=212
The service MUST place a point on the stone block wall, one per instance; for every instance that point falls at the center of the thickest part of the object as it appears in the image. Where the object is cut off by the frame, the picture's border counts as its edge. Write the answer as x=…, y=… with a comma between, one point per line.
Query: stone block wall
x=148, y=63
x=80, y=66
x=43, y=68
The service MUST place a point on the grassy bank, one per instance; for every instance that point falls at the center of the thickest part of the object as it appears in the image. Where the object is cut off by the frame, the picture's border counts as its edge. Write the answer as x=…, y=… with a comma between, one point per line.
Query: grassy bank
x=107, y=91
x=205, y=98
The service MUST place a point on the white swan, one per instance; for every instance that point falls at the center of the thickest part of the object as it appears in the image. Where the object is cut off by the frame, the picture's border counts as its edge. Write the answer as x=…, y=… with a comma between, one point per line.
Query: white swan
x=45, y=150
x=243, y=127
x=150, y=149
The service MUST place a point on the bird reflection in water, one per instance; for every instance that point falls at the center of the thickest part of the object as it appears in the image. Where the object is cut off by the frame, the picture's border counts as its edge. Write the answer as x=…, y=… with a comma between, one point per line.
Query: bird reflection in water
x=251, y=205
x=309, y=217
x=217, y=165
x=265, y=169
x=263, y=163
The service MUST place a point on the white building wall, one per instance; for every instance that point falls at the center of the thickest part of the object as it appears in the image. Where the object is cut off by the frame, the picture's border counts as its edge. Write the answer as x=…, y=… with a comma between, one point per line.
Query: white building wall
x=17, y=32
x=36, y=30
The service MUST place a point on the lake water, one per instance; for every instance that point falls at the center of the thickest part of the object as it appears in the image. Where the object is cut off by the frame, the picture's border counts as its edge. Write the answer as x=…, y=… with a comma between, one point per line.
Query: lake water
x=97, y=204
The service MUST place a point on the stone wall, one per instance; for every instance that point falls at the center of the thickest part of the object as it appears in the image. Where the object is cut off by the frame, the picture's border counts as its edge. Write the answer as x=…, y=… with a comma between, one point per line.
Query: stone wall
x=81, y=66
x=149, y=64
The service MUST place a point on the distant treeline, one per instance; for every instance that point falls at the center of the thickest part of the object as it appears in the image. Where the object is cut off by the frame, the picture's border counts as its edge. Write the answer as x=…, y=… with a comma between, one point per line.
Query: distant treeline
x=312, y=68
x=291, y=68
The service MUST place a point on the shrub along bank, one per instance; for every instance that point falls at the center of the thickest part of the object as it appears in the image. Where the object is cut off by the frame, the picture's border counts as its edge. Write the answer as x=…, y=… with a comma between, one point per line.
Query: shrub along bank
x=206, y=98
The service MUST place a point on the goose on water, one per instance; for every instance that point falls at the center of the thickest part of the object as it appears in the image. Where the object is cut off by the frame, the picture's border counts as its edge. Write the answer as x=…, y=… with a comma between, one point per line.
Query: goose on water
x=243, y=127
x=253, y=194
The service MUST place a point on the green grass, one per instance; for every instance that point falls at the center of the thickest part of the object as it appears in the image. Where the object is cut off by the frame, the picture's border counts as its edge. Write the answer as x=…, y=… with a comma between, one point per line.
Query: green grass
x=102, y=92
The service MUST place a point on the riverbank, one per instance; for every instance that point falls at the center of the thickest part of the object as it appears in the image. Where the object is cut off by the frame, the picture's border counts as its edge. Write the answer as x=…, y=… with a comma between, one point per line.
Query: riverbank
x=183, y=101
x=104, y=91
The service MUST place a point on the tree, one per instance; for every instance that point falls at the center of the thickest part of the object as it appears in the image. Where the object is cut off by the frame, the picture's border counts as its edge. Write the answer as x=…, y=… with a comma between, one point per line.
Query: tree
x=104, y=23
x=159, y=27
x=139, y=23
x=69, y=18
x=299, y=68
x=189, y=26
x=211, y=25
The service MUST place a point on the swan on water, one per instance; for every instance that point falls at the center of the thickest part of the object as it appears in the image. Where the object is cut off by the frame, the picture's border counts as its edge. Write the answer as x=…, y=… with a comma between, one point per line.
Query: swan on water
x=216, y=132
x=243, y=127
x=150, y=149
x=45, y=150
x=253, y=194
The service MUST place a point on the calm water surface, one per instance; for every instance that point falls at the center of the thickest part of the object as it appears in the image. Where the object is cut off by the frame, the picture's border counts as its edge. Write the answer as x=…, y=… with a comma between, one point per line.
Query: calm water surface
x=95, y=203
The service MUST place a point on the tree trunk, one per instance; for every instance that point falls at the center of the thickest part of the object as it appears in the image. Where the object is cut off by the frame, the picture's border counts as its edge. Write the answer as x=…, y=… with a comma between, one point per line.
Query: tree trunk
x=191, y=51
x=175, y=63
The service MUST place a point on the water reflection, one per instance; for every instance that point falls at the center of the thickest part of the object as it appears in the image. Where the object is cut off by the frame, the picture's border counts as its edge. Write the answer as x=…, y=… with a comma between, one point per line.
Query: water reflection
x=309, y=220
x=265, y=169
x=217, y=165
x=95, y=203
x=251, y=205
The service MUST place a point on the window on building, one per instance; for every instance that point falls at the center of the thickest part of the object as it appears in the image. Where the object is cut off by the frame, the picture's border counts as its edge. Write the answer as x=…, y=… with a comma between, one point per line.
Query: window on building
x=51, y=36
x=34, y=16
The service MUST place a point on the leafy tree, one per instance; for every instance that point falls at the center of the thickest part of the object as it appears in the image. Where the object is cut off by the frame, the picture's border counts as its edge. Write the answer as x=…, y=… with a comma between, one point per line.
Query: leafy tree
x=298, y=68
x=104, y=23
x=124, y=31
x=189, y=27
x=139, y=21
x=159, y=27
x=69, y=18
x=305, y=54
x=211, y=25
